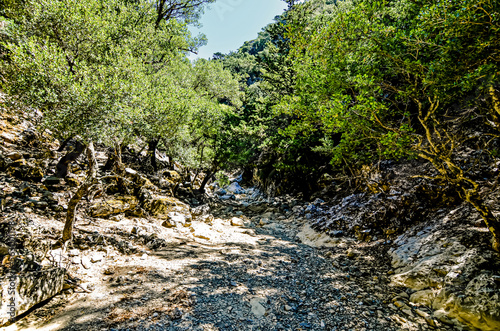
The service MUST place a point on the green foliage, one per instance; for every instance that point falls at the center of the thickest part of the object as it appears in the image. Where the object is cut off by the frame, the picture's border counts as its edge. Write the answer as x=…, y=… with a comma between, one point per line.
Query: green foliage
x=365, y=68
x=116, y=70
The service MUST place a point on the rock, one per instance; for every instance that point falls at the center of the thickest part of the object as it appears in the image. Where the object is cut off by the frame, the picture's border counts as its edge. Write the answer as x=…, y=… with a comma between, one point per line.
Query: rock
x=160, y=206
x=200, y=211
x=257, y=308
x=169, y=179
x=73, y=252
x=448, y=277
x=235, y=188
x=168, y=224
x=96, y=257
x=72, y=181
x=352, y=253
x=14, y=156
x=422, y=313
x=309, y=236
x=26, y=170
x=227, y=197
x=31, y=288
x=235, y=221
x=202, y=231
x=288, y=308
x=51, y=181
x=8, y=137
x=424, y=297
x=4, y=249
x=113, y=206
x=221, y=192
x=86, y=262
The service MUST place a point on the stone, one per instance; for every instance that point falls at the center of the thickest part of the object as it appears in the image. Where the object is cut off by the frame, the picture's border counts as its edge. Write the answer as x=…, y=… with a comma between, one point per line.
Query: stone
x=424, y=297
x=235, y=221
x=288, y=308
x=351, y=253
x=14, y=156
x=235, y=188
x=72, y=181
x=31, y=288
x=169, y=179
x=447, y=277
x=4, y=249
x=257, y=308
x=106, y=208
x=96, y=257
x=8, y=137
x=202, y=231
x=310, y=237
x=422, y=313
x=73, y=252
x=160, y=206
x=26, y=170
x=86, y=262
x=168, y=224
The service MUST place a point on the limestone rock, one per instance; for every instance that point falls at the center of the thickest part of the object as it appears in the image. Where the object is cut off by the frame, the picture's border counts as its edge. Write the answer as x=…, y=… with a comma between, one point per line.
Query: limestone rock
x=309, y=236
x=169, y=179
x=26, y=170
x=14, y=156
x=202, y=231
x=117, y=205
x=448, y=277
x=257, y=308
x=31, y=288
x=235, y=221
x=424, y=297
x=235, y=188
x=160, y=206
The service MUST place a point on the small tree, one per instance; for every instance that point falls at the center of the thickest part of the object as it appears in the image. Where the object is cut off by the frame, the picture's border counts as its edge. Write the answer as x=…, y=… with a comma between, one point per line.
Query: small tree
x=82, y=63
x=402, y=79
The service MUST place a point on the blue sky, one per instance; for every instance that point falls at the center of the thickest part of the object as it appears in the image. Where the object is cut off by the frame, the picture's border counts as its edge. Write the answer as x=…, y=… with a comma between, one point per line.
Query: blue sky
x=229, y=23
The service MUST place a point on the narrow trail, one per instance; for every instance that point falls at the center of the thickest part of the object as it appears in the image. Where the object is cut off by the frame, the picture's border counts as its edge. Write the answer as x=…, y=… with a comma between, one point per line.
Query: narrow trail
x=230, y=274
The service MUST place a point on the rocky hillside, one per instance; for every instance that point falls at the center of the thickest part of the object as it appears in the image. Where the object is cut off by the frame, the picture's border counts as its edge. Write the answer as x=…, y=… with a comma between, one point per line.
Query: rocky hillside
x=234, y=259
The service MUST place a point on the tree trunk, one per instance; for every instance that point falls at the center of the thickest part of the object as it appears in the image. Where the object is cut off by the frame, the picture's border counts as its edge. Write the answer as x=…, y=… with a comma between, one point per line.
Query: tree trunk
x=490, y=220
x=119, y=168
x=209, y=175
x=65, y=161
x=80, y=193
x=153, y=144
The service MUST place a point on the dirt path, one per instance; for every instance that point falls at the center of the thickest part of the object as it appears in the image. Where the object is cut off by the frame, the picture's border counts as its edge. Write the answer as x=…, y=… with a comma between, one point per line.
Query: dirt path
x=220, y=276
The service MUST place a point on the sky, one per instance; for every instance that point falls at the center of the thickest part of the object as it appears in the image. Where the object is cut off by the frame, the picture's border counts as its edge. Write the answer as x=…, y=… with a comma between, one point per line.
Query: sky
x=229, y=23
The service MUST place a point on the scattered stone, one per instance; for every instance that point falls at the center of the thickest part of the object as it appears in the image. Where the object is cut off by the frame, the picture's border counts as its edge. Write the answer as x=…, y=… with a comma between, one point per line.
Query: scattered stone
x=235, y=221
x=86, y=263
x=257, y=308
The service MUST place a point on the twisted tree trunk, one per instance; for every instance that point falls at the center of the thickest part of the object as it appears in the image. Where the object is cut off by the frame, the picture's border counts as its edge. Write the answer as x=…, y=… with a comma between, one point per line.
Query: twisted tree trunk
x=82, y=190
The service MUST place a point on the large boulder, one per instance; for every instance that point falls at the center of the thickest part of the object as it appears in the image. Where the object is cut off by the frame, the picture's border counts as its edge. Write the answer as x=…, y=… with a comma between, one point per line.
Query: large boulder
x=26, y=170
x=449, y=274
x=117, y=205
x=161, y=206
x=169, y=179
x=20, y=292
x=235, y=188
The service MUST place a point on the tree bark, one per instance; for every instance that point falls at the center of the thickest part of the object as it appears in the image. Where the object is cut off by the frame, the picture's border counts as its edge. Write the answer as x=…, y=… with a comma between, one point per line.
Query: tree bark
x=209, y=175
x=65, y=161
x=153, y=144
x=82, y=190
x=490, y=220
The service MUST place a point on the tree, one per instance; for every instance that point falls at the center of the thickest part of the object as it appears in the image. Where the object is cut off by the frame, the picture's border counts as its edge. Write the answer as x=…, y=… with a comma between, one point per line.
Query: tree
x=82, y=64
x=396, y=79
